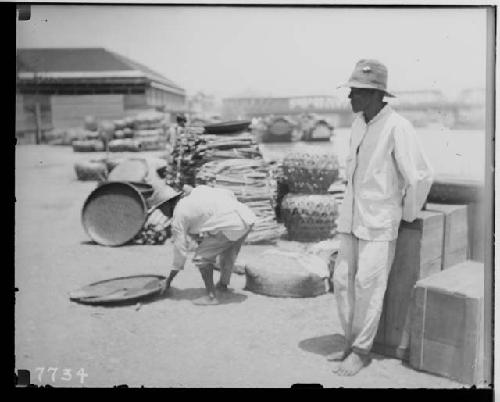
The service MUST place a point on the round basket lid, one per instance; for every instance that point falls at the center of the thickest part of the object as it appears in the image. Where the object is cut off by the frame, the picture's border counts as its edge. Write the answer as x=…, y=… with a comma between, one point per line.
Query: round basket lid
x=114, y=213
x=118, y=289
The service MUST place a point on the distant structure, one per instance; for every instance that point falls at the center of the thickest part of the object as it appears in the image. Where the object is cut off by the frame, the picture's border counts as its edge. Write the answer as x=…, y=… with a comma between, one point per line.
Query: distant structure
x=337, y=110
x=423, y=107
x=60, y=86
x=474, y=102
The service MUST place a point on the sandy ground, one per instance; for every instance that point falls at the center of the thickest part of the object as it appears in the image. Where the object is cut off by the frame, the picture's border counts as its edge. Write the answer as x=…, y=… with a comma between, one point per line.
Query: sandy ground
x=248, y=341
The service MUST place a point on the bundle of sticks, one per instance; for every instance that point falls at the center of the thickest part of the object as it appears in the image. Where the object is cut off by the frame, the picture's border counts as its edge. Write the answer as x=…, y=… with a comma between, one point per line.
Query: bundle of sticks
x=253, y=184
x=192, y=150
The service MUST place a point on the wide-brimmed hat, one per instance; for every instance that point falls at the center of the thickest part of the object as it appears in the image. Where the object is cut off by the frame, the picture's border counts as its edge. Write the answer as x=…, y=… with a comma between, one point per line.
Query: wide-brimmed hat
x=161, y=194
x=370, y=74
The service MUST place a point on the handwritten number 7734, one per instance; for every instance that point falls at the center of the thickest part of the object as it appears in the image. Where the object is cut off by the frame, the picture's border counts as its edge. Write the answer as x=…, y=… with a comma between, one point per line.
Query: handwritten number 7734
x=65, y=376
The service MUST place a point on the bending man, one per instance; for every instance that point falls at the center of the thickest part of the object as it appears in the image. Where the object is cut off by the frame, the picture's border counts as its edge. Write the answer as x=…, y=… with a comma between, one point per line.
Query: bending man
x=220, y=225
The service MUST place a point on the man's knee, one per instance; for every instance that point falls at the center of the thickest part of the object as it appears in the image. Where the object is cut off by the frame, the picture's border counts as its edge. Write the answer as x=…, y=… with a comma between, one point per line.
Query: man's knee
x=203, y=263
x=376, y=277
x=340, y=275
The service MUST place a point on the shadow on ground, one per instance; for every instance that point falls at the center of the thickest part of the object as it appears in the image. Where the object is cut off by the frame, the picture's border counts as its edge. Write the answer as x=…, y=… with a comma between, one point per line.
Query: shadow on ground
x=323, y=345
x=195, y=293
x=174, y=294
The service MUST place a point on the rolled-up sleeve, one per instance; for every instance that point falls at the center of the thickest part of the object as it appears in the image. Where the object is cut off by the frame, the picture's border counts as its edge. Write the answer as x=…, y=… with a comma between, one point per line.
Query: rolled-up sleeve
x=415, y=169
x=180, y=239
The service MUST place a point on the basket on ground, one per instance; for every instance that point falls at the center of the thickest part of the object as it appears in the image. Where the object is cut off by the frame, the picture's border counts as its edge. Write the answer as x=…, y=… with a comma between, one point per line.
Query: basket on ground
x=280, y=273
x=91, y=170
x=309, y=217
x=115, y=212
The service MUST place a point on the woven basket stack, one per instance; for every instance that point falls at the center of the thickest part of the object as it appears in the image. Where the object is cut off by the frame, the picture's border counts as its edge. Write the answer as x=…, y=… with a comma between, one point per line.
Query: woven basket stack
x=308, y=211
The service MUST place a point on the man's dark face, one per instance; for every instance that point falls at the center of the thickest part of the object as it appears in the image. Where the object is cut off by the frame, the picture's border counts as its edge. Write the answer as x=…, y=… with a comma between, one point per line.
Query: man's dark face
x=361, y=98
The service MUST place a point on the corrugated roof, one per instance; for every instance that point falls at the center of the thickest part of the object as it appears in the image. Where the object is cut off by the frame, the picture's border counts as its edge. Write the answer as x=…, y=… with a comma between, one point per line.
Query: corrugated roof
x=85, y=60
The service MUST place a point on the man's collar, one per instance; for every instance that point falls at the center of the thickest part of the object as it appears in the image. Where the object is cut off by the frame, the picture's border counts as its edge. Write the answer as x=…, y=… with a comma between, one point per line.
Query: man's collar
x=382, y=112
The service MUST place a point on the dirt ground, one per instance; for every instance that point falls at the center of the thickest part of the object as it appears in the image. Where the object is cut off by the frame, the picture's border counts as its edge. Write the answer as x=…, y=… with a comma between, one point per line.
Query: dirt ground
x=248, y=341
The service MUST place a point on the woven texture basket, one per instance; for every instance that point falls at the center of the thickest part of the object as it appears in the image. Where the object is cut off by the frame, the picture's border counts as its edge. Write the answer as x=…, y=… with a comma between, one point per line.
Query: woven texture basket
x=310, y=172
x=309, y=217
x=284, y=274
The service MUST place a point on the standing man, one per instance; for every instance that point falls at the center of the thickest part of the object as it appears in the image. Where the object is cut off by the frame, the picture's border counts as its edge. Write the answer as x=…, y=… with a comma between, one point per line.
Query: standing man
x=219, y=223
x=175, y=130
x=389, y=179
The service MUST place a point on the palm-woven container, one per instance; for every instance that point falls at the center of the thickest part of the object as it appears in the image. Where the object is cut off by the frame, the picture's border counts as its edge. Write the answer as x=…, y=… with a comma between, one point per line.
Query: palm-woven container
x=309, y=217
x=310, y=172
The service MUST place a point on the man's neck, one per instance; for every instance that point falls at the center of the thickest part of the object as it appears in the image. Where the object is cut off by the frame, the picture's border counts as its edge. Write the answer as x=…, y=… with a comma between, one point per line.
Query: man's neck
x=371, y=112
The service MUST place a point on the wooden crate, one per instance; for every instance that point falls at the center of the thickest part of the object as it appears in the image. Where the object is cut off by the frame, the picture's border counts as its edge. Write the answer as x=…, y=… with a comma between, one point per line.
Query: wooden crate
x=418, y=255
x=455, y=239
x=447, y=331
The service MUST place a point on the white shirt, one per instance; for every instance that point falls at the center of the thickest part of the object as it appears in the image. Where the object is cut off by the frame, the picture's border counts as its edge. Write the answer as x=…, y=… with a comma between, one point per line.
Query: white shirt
x=389, y=177
x=208, y=210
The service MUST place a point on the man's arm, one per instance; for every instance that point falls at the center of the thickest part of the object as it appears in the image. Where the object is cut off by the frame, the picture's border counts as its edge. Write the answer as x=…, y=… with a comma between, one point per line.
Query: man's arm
x=415, y=169
x=180, y=238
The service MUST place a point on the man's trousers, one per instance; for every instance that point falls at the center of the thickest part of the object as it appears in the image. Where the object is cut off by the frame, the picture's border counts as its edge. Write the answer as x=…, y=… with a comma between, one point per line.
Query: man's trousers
x=359, y=280
x=218, y=245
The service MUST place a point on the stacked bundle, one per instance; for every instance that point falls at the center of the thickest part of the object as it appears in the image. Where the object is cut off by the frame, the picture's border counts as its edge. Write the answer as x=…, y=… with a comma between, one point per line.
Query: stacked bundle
x=88, y=145
x=240, y=146
x=253, y=184
x=148, y=121
x=84, y=139
x=194, y=149
x=144, y=132
x=186, y=157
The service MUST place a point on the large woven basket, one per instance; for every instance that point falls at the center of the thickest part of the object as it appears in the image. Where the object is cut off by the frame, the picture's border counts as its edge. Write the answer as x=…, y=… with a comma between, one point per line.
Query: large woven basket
x=310, y=172
x=309, y=217
x=284, y=274
x=87, y=146
x=91, y=170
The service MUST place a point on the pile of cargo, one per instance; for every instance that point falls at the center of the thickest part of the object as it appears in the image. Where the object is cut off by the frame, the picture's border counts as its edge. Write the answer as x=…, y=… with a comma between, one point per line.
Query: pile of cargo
x=226, y=155
x=144, y=132
x=193, y=149
x=253, y=183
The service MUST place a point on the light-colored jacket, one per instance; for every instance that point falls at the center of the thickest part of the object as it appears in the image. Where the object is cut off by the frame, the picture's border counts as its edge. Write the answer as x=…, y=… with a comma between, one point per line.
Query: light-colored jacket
x=208, y=210
x=389, y=177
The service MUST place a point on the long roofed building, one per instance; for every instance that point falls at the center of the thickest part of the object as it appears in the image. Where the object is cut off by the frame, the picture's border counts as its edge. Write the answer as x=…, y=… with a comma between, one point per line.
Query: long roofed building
x=67, y=84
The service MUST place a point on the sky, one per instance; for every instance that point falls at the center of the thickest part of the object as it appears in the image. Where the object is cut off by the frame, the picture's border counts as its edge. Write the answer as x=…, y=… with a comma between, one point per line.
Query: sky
x=275, y=51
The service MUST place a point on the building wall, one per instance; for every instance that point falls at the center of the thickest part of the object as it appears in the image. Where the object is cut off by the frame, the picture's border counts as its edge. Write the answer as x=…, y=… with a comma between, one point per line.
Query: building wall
x=70, y=110
x=26, y=118
x=171, y=102
x=65, y=111
x=134, y=101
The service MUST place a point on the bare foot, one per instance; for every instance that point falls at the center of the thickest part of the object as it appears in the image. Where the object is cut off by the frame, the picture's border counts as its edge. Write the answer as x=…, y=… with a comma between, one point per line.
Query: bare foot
x=351, y=365
x=338, y=355
x=206, y=301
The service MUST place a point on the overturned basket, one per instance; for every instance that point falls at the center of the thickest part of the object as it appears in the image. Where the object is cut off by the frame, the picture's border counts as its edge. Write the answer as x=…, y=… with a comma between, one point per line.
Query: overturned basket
x=115, y=212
